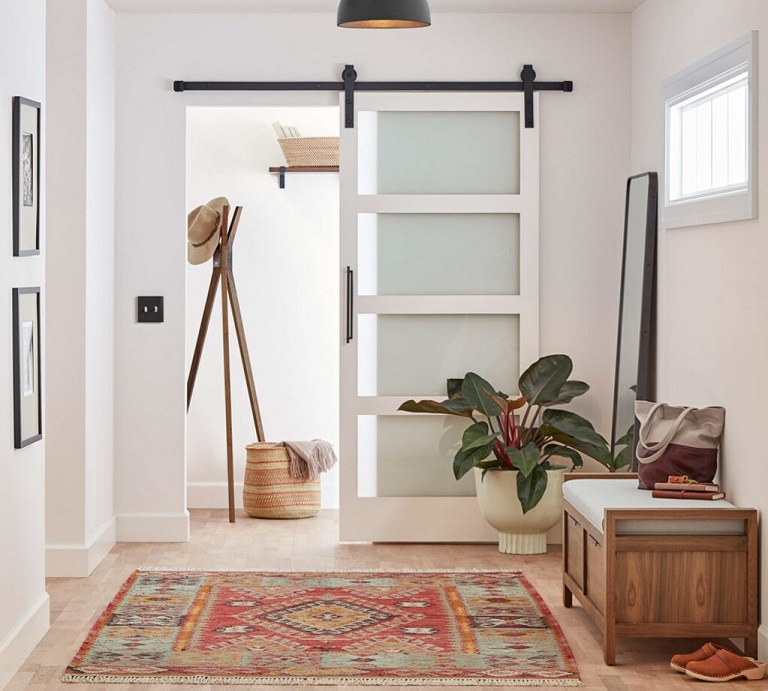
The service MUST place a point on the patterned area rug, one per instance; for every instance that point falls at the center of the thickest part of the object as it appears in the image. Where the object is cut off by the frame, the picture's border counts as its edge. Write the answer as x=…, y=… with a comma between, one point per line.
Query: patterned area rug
x=373, y=628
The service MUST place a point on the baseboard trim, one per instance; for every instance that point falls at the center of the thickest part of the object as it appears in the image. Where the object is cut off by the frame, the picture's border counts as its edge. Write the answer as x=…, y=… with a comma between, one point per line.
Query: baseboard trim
x=153, y=527
x=762, y=642
x=22, y=639
x=212, y=495
x=80, y=560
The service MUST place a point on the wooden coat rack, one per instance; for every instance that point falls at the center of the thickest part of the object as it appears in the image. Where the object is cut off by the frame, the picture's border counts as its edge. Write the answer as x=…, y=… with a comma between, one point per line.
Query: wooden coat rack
x=222, y=271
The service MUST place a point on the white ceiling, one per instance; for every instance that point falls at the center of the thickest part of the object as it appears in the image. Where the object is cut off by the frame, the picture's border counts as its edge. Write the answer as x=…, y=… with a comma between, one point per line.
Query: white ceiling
x=437, y=6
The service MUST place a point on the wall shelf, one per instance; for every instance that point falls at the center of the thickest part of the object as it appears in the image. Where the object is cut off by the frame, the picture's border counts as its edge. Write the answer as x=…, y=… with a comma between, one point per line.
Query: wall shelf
x=282, y=170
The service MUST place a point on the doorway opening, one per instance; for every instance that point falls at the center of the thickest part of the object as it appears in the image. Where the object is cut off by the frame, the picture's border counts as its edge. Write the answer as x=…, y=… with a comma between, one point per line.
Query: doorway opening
x=285, y=263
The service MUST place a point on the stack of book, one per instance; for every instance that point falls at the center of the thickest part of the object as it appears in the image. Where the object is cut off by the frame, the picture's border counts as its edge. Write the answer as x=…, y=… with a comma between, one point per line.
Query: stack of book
x=683, y=488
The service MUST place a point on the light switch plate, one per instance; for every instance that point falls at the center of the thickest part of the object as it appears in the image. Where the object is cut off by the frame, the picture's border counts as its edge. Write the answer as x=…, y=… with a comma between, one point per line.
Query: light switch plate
x=150, y=308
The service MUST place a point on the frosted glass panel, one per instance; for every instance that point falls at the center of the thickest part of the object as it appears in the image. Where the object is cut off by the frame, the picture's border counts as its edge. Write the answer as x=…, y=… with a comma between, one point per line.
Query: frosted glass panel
x=439, y=254
x=413, y=355
x=402, y=456
x=446, y=152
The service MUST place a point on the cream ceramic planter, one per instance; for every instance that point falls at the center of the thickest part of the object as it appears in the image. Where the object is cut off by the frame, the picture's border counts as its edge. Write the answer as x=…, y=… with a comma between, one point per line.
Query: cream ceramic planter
x=519, y=533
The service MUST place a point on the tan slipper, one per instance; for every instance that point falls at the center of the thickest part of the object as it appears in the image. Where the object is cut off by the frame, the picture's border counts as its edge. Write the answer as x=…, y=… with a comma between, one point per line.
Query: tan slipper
x=724, y=666
x=680, y=662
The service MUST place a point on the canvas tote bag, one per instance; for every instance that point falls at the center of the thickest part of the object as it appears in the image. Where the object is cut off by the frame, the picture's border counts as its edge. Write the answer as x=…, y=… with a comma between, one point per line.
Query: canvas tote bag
x=674, y=440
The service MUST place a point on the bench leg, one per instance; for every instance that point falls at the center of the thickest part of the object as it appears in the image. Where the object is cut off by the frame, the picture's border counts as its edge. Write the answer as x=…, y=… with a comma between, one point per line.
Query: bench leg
x=750, y=645
x=609, y=643
x=567, y=596
x=609, y=652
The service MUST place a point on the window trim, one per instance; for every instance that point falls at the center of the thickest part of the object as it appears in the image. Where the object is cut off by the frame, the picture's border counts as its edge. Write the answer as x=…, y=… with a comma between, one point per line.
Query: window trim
x=721, y=205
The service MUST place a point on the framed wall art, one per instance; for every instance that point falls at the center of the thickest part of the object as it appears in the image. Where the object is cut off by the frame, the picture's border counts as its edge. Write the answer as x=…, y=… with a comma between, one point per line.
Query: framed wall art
x=26, y=177
x=27, y=401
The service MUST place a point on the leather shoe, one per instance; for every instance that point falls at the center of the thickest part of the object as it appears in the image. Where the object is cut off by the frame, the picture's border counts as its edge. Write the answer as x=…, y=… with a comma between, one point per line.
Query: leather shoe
x=680, y=662
x=724, y=666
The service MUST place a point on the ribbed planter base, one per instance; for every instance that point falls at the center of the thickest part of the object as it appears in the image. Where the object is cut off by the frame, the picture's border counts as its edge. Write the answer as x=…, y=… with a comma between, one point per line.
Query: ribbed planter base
x=516, y=543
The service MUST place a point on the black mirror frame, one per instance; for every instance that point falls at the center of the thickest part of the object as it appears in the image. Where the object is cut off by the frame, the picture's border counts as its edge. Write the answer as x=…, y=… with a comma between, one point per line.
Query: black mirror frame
x=646, y=366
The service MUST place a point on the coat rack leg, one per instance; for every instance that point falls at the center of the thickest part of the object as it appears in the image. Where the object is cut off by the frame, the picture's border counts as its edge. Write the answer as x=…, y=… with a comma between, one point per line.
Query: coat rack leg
x=227, y=383
x=215, y=275
x=244, y=356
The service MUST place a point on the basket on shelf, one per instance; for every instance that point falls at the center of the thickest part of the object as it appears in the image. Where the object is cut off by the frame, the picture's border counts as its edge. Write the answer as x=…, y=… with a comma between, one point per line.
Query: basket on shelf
x=269, y=489
x=310, y=151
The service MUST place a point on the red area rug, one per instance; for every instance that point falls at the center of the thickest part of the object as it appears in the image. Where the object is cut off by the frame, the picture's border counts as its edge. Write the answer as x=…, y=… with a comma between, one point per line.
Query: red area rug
x=373, y=628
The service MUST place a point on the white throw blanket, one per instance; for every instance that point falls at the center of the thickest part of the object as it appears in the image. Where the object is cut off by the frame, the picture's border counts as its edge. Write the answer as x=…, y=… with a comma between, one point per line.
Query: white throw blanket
x=310, y=458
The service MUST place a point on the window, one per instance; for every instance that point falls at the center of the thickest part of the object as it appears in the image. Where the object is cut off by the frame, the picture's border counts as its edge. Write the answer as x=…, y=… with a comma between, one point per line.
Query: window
x=710, y=161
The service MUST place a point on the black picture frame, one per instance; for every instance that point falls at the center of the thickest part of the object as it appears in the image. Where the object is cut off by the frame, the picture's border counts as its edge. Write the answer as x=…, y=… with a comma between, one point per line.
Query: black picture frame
x=26, y=177
x=636, y=345
x=27, y=398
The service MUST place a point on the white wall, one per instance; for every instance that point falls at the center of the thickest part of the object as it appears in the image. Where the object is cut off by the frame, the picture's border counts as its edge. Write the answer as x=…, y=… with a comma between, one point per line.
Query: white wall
x=100, y=280
x=286, y=270
x=65, y=146
x=80, y=267
x=24, y=608
x=713, y=287
x=584, y=164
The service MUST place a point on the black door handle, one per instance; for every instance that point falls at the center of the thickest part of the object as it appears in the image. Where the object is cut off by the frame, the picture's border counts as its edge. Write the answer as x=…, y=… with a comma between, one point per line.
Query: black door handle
x=350, y=292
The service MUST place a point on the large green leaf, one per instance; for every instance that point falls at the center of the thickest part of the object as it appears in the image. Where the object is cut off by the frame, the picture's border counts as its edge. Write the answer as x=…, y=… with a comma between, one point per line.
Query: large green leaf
x=546, y=465
x=476, y=436
x=573, y=425
x=628, y=438
x=475, y=447
x=542, y=381
x=488, y=464
x=602, y=453
x=570, y=429
x=485, y=440
x=475, y=389
x=564, y=452
x=570, y=390
x=466, y=459
x=621, y=459
x=531, y=489
x=444, y=408
x=459, y=406
x=524, y=459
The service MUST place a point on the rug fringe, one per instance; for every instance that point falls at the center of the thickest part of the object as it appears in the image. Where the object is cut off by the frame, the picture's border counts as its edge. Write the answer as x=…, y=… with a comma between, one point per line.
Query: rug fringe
x=214, y=569
x=315, y=681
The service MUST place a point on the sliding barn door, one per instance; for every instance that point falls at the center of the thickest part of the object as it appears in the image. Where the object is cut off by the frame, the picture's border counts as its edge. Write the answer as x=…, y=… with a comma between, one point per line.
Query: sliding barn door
x=439, y=269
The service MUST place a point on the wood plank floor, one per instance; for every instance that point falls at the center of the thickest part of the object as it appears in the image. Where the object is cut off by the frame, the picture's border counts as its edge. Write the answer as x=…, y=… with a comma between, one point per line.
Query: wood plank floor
x=311, y=544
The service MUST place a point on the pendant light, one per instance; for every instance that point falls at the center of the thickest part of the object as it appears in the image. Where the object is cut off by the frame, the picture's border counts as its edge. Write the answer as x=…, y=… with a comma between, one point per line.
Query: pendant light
x=383, y=14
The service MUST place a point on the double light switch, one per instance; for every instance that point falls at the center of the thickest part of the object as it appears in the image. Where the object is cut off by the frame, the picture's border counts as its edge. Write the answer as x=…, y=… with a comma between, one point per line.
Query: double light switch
x=150, y=309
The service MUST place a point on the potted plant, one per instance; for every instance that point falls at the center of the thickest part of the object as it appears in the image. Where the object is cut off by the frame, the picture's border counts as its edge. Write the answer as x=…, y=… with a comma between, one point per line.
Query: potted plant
x=513, y=445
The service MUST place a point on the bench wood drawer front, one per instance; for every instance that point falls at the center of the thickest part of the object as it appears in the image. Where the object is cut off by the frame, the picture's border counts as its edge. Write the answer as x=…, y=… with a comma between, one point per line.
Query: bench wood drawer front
x=595, y=575
x=575, y=546
x=687, y=587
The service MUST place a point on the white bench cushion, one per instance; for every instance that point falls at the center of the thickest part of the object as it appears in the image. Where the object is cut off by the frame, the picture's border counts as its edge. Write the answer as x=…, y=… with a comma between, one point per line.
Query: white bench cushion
x=591, y=497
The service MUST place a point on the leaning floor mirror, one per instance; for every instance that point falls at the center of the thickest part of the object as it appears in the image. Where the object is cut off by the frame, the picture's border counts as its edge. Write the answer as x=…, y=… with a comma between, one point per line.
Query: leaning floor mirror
x=635, y=352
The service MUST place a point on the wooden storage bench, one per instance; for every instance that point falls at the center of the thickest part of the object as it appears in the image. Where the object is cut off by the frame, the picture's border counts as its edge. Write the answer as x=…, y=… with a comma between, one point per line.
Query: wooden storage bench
x=658, y=568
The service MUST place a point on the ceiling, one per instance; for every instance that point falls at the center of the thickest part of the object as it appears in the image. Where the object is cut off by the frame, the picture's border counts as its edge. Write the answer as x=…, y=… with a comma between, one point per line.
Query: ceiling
x=437, y=6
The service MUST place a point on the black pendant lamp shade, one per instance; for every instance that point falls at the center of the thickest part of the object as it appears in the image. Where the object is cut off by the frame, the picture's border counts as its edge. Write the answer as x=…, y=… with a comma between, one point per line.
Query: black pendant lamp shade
x=383, y=14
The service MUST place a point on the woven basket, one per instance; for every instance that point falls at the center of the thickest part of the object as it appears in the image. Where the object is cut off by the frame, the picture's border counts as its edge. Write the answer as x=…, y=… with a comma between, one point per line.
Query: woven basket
x=269, y=489
x=310, y=151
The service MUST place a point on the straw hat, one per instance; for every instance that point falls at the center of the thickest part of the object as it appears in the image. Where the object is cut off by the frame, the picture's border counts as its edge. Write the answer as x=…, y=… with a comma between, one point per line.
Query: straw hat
x=203, y=225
